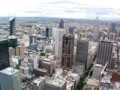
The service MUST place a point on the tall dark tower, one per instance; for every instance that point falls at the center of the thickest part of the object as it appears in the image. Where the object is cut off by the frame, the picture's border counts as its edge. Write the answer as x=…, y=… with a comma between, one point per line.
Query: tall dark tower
x=82, y=52
x=4, y=54
x=12, y=26
x=61, y=24
x=48, y=32
x=32, y=39
x=112, y=29
x=67, y=51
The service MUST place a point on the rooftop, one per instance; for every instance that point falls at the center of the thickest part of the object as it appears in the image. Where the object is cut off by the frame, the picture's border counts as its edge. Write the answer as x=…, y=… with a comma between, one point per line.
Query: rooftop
x=12, y=37
x=39, y=80
x=56, y=82
x=41, y=69
x=9, y=71
x=93, y=82
x=12, y=18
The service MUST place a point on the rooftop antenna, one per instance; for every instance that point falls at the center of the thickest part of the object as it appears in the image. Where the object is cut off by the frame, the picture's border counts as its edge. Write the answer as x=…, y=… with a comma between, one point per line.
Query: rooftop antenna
x=97, y=16
x=113, y=18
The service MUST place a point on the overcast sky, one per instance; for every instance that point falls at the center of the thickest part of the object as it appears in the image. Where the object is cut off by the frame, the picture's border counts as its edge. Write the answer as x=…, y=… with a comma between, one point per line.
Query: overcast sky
x=61, y=8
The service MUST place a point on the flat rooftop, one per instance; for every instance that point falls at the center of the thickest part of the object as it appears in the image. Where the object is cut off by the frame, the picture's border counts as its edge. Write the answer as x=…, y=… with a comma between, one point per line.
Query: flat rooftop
x=93, y=82
x=56, y=82
x=41, y=69
x=39, y=80
x=9, y=71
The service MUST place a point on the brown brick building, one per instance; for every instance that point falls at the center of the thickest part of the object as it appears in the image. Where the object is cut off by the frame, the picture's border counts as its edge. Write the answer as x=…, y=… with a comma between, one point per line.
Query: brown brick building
x=67, y=51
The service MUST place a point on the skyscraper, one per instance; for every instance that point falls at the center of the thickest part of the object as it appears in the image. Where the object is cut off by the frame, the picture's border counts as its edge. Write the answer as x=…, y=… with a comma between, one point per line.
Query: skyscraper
x=12, y=41
x=82, y=52
x=58, y=43
x=32, y=39
x=4, y=54
x=48, y=32
x=71, y=29
x=12, y=26
x=61, y=24
x=112, y=29
x=67, y=51
x=10, y=79
x=96, y=30
x=104, y=52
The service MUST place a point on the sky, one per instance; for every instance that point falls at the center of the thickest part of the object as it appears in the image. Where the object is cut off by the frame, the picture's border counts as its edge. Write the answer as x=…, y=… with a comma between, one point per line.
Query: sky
x=82, y=9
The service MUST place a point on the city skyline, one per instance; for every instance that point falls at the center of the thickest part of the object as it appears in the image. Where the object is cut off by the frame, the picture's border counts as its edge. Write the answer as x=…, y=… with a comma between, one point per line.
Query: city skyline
x=78, y=9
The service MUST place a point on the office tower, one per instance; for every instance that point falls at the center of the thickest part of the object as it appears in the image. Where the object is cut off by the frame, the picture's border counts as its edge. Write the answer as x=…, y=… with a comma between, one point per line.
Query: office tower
x=58, y=42
x=112, y=29
x=54, y=30
x=32, y=39
x=71, y=29
x=10, y=79
x=55, y=84
x=12, y=26
x=118, y=33
x=113, y=62
x=20, y=51
x=61, y=24
x=96, y=30
x=67, y=51
x=48, y=32
x=82, y=52
x=104, y=52
x=12, y=41
x=4, y=54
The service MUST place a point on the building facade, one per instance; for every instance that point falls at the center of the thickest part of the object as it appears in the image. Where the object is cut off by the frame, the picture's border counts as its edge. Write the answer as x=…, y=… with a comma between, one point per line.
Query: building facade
x=96, y=30
x=12, y=26
x=38, y=84
x=67, y=51
x=82, y=52
x=104, y=52
x=61, y=24
x=58, y=42
x=4, y=54
x=32, y=39
x=48, y=32
x=112, y=29
x=10, y=79
x=20, y=51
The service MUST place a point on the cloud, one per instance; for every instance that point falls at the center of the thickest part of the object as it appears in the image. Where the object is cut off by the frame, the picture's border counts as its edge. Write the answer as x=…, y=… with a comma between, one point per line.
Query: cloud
x=61, y=8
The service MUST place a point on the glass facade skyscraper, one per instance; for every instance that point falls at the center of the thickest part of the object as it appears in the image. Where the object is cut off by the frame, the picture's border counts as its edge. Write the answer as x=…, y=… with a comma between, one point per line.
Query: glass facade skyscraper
x=4, y=54
x=12, y=27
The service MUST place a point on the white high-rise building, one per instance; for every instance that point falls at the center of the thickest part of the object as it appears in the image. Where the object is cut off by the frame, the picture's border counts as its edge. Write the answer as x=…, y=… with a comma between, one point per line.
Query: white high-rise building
x=54, y=32
x=96, y=30
x=59, y=42
x=10, y=79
